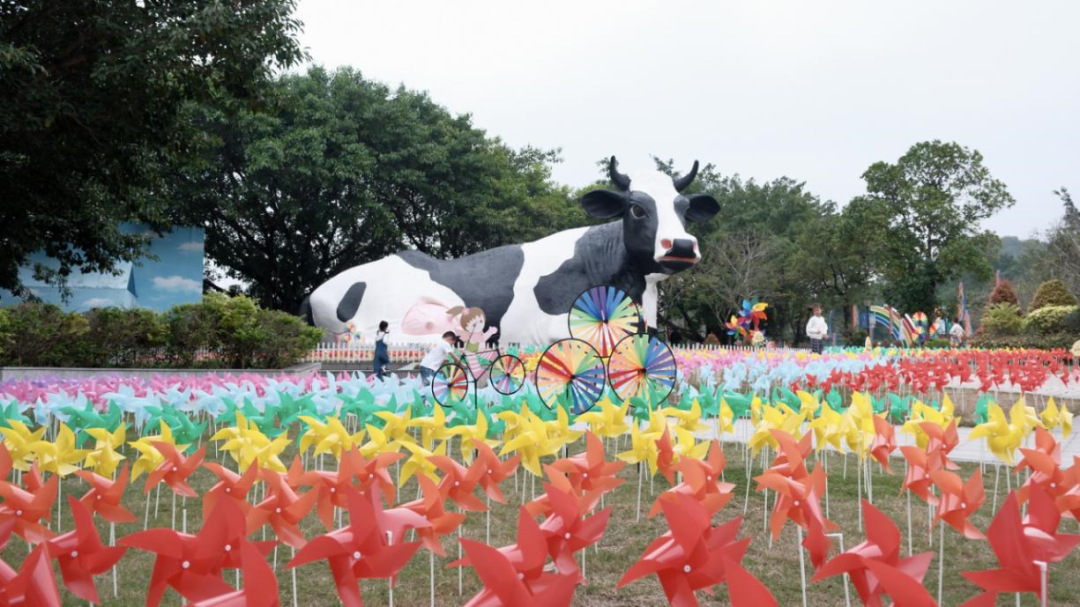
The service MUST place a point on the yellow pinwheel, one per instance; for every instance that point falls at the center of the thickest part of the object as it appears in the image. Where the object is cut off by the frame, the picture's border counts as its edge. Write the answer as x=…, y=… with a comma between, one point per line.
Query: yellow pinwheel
x=526, y=435
x=470, y=436
x=18, y=438
x=858, y=425
x=419, y=463
x=103, y=458
x=557, y=432
x=808, y=404
x=433, y=427
x=686, y=447
x=921, y=412
x=780, y=417
x=605, y=419
x=828, y=429
x=59, y=457
x=396, y=427
x=689, y=419
x=642, y=449
x=379, y=442
x=725, y=421
x=149, y=458
x=246, y=444
x=1051, y=416
x=328, y=437
x=1002, y=437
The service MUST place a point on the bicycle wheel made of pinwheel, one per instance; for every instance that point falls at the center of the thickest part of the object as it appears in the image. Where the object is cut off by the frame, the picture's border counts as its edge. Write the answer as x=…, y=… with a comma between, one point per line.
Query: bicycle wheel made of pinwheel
x=570, y=369
x=644, y=366
x=507, y=374
x=602, y=316
x=451, y=382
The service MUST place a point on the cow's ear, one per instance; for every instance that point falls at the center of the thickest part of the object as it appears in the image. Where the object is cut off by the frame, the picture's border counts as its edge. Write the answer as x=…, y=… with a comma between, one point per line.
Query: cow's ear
x=604, y=204
x=702, y=207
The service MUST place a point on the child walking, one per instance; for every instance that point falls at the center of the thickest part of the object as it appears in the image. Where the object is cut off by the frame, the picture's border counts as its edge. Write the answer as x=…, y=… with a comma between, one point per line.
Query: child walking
x=817, y=330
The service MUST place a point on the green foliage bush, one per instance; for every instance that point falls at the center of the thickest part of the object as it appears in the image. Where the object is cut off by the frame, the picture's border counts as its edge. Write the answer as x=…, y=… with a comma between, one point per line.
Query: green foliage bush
x=1048, y=319
x=1054, y=341
x=1052, y=293
x=1003, y=319
x=220, y=332
x=937, y=343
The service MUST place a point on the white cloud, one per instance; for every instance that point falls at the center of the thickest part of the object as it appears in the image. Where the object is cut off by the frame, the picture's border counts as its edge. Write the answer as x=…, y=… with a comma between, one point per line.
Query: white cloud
x=192, y=246
x=177, y=284
x=97, y=302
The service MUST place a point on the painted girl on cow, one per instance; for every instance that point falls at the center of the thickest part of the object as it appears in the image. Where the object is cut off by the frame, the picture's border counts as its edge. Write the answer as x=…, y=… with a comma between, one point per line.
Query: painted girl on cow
x=526, y=290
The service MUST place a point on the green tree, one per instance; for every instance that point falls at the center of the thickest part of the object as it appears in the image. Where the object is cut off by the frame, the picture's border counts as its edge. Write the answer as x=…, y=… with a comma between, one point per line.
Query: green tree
x=91, y=113
x=339, y=170
x=1063, y=244
x=930, y=203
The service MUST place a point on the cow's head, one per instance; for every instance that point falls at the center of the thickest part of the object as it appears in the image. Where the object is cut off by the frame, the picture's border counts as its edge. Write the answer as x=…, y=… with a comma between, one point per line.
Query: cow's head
x=654, y=216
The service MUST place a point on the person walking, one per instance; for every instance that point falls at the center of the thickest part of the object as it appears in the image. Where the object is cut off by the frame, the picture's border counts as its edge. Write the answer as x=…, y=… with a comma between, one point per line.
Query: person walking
x=956, y=334
x=436, y=356
x=817, y=330
x=382, y=352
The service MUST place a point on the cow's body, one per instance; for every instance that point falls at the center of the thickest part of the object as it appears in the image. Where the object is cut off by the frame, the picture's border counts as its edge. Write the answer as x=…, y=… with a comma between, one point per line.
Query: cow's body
x=526, y=290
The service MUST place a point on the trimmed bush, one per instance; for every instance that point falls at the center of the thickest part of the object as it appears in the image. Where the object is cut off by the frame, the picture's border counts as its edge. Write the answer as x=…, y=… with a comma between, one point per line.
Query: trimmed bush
x=44, y=335
x=1052, y=293
x=1003, y=319
x=1055, y=341
x=1048, y=319
x=1003, y=293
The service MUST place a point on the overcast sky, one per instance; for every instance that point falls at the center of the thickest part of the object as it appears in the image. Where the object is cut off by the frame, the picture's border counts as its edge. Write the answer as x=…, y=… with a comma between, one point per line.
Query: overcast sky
x=809, y=89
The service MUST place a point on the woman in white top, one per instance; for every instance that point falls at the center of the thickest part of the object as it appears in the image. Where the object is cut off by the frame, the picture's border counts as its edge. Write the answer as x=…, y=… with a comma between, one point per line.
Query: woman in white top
x=956, y=334
x=817, y=330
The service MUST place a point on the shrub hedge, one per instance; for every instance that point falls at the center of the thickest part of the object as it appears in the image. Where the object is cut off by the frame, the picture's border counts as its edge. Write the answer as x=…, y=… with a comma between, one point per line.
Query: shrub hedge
x=1048, y=319
x=1052, y=293
x=221, y=332
x=1052, y=341
x=1002, y=319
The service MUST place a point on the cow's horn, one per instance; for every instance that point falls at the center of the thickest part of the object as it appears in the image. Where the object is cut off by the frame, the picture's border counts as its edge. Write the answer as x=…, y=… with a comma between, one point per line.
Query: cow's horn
x=620, y=180
x=683, y=182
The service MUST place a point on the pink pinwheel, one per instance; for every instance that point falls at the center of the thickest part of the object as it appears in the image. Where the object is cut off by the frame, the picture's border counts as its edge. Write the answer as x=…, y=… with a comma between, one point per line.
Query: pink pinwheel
x=959, y=500
x=192, y=564
x=105, y=495
x=459, y=482
x=175, y=470
x=496, y=471
x=361, y=549
x=1020, y=543
x=589, y=472
x=882, y=547
x=81, y=554
x=691, y=555
x=33, y=586
x=230, y=486
x=282, y=510
x=260, y=584
x=27, y=509
x=701, y=480
x=567, y=530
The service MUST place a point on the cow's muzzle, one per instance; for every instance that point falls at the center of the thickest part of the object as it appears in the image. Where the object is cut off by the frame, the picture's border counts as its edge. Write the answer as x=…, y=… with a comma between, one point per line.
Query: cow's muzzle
x=680, y=255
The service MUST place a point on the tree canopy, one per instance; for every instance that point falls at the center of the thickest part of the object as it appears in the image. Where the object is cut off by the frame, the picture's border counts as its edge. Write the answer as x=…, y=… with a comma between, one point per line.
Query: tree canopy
x=90, y=114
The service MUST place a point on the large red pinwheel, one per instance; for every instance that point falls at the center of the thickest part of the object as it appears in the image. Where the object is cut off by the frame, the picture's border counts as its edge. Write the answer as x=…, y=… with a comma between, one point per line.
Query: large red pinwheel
x=440, y=522
x=33, y=586
x=505, y=586
x=917, y=477
x=702, y=481
x=940, y=443
x=589, y=472
x=230, y=486
x=192, y=564
x=495, y=471
x=105, y=495
x=527, y=555
x=1019, y=543
x=884, y=442
x=744, y=589
x=260, y=584
x=360, y=550
x=28, y=509
x=459, y=482
x=959, y=500
x=800, y=502
x=665, y=456
x=329, y=487
x=283, y=510
x=374, y=471
x=175, y=470
x=1044, y=461
x=81, y=554
x=567, y=531
x=882, y=547
x=690, y=556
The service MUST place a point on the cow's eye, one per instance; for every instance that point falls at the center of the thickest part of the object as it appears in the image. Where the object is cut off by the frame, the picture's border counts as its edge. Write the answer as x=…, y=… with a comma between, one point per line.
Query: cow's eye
x=638, y=212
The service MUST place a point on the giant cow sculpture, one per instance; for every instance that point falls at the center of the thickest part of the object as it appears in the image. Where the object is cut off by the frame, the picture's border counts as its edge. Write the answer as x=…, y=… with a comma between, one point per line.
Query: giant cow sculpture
x=527, y=290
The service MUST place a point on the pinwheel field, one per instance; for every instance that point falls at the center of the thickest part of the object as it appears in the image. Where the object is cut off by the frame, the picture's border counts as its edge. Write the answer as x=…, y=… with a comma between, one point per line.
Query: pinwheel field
x=278, y=464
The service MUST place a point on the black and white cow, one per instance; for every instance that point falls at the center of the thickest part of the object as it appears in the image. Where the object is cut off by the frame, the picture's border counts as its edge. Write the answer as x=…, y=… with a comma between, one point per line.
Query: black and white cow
x=527, y=290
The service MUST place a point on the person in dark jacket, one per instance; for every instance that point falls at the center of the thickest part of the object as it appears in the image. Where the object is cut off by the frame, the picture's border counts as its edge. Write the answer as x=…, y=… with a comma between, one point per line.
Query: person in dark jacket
x=382, y=353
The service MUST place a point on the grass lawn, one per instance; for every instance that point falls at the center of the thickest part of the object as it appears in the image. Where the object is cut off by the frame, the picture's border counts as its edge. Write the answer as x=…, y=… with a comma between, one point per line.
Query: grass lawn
x=777, y=566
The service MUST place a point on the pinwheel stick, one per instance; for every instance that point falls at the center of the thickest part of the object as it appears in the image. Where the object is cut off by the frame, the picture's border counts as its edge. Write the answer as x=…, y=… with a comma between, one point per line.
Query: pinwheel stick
x=1044, y=583
x=847, y=579
x=941, y=561
x=294, y=599
x=431, y=575
x=802, y=564
x=641, y=473
x=390, y=580
x=112, y=542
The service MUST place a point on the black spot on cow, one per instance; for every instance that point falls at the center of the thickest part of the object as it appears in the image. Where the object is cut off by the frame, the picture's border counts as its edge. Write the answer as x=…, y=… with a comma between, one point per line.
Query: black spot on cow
x=350, y=303
x=484, y=280
x=305, y=311
x=600, y=258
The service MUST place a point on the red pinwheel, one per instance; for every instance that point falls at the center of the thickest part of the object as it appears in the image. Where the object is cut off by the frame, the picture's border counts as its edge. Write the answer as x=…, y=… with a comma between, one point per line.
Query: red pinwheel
x=495, y=471
x=1070, y=500
x=34, y=585
x=175, y=470
x=328, y=487
x=505, y=586
x=940, y=443
x=27, y=509
x=917, y=478
x=701, y=480
x=589, y=472
x=959, y=500
x=192, y=564
x=440, y=522
x=81, y=554
x=375, y=470
x=882, y=547
x=260, y=584
x=527, y=555
x=231, y=486
x=744, y=589
x=1019, y=543
x=567, y=531
x=282, y=510
x=800, y=502
x=459, y=482
x=359, y=550
x=104, y=496
x=884, y=442
x=690, y=556
x=1044, y=461
x=665, y=456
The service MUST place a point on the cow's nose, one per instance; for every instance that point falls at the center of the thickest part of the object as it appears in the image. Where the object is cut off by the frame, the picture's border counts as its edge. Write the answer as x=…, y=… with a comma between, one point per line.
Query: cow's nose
x=682, y=247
